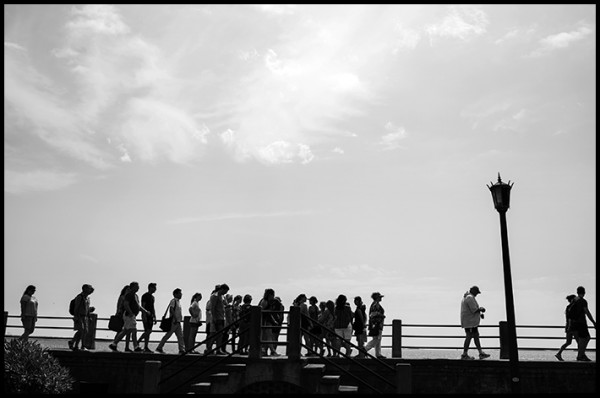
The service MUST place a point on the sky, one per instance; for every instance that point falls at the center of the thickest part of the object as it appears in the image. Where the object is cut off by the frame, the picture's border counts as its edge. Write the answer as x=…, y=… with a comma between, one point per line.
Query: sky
x=317, y=149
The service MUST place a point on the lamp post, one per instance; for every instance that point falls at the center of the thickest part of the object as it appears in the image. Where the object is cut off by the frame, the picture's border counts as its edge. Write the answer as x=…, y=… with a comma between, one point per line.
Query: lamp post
x=501, y=197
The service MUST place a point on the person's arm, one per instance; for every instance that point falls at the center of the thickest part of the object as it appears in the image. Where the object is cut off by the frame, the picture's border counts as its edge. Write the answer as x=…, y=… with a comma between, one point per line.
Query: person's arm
x=23, y=306
x=589, y=315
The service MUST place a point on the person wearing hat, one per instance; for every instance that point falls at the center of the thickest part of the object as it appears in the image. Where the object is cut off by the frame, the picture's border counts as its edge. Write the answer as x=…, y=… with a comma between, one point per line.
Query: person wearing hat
x=470, y=316
x=376, y=317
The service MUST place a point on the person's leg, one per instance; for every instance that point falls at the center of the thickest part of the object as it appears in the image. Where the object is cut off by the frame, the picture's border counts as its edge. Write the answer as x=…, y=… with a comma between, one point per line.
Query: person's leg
x=119, y=336
x=179, y=334
x=467, y=343
x=162, y=342
x=378, y=344
x=583, y=342
x=192, y=336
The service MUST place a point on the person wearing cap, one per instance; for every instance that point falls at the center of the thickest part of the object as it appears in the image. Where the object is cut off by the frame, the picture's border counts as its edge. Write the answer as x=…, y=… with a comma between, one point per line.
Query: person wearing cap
x=81, y=317
x=376, y=317
x=470, y=316
x=570, y=298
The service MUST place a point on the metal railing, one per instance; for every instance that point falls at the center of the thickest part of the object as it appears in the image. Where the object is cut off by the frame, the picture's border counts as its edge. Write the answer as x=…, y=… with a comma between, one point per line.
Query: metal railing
x=402, y=336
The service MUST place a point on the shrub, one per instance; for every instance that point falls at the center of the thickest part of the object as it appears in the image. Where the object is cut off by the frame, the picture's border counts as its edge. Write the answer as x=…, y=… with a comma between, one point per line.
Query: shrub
x=30, y=369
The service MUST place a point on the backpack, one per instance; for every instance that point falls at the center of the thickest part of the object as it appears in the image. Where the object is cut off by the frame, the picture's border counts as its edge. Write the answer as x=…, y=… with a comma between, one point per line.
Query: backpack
x=72, y=306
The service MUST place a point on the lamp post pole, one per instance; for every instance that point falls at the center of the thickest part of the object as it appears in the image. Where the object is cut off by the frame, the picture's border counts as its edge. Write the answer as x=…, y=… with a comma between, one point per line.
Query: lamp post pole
x=501, y=196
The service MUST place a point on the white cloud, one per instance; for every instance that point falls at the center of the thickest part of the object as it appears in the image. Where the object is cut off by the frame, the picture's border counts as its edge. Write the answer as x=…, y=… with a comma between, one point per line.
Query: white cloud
x=155, y=129
x=462, y=22
x=14, y=46
x=561, y=40
x=392, y=139
x=406, y=39
x=97, y=19
x=285, y=152
x=34, y=181
x=338, y=150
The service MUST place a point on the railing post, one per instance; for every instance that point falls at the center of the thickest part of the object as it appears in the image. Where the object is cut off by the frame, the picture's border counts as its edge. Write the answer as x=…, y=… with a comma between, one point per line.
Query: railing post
x=503, y=326
x=255, y=330
x=186, y=332
x=397, y=338
x=5, y=322
x=151, y=377
x=293, y=333
x=90, y=337
x=403, y=378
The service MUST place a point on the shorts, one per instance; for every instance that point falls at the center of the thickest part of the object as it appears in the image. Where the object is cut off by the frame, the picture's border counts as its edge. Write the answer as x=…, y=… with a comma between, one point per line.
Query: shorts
x=129, y=322
x=472, y=332
x=580, y=330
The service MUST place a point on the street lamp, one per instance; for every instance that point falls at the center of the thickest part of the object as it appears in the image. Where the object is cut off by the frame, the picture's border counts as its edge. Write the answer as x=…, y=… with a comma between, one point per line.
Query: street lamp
x=501, y=196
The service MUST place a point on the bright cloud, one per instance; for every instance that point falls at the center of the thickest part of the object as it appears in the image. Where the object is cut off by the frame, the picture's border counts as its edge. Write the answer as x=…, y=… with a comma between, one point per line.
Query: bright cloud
x=561, y=40
x=462, y=22
x=392, y=139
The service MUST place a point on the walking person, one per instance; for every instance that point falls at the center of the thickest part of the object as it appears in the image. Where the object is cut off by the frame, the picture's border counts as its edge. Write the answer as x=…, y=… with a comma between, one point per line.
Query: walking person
x=470, y=317
x=558, y=355
x=148, y=316
x=29, y=312
x=268, y=322
x=579, y=327
x=360, y=326
x=209, y=324
x=120, y=311
x=323, y=319
x=131, y=308
x=175, y=312
x=228, y=302
x=245, y=324
x=300, y=301
x=313, y=313
x=277, y=308
x=342, y=324
x=81, y=318
x=195, y=321
x=235, y=316
x=217, y=310
x=376, y=318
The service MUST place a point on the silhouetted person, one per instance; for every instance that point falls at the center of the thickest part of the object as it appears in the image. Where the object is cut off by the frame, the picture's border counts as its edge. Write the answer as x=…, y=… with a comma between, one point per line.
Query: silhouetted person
x=577, y=318
x=29, y=311
x=376, y=319
x=195, y=321
x=149, y=316
x=570, y=299
x=470, y=316
x=81, y=319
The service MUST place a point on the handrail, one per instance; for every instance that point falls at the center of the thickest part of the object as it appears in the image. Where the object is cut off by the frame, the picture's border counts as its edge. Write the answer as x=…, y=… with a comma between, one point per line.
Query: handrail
x=40, y=328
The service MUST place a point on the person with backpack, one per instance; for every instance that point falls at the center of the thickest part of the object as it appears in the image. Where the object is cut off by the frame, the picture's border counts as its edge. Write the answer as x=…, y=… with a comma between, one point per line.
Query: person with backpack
x=80, y=308
x=578, y=324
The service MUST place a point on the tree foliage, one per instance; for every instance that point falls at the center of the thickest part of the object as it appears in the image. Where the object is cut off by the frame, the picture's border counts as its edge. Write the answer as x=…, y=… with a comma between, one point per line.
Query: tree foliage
x=31, y=369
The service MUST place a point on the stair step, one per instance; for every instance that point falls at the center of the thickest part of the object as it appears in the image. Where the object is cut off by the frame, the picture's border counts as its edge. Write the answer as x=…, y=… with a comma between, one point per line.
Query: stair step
x=200, y=388
x=329, y=384
x=348, y=389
